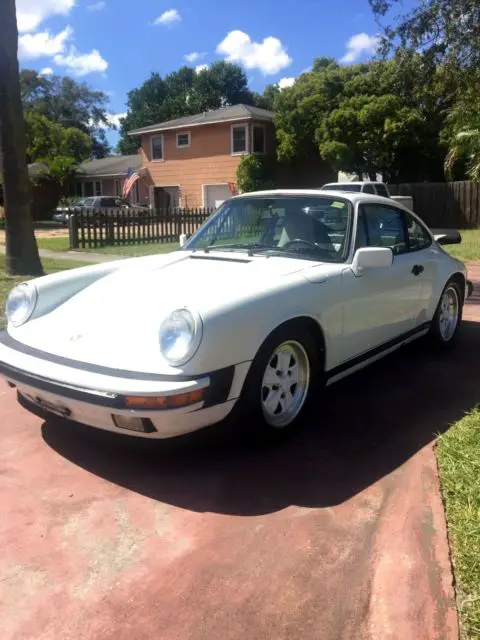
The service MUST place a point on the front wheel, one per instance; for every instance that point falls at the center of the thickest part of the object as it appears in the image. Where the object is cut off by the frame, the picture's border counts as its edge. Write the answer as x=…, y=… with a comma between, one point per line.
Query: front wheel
x=279, y=385
x=448, y=315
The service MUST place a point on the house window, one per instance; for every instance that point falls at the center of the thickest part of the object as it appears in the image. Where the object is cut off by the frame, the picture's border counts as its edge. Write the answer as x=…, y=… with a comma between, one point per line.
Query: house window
x=98, y=188
x=239, y=139
x=183, y=139
x=258, y=138
x=118, y=188
x=78, y=189
x=88, y=189
x=157, y=147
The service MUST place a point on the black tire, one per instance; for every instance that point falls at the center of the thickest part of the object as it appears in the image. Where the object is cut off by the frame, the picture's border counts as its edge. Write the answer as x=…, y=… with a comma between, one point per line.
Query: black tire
x=250, y=418
x=436, y=335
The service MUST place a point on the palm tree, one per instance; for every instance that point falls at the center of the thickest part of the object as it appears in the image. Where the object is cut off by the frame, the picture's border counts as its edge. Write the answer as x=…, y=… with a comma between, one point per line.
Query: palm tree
x=21, y=247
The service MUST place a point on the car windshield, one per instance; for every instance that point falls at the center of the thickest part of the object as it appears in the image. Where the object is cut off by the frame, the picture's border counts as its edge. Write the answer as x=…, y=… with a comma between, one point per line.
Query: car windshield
x=312, y=227
x=342, y=186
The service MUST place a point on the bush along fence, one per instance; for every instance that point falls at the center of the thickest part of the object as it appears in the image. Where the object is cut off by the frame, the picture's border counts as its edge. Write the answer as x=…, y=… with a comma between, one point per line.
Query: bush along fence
x=93, y=229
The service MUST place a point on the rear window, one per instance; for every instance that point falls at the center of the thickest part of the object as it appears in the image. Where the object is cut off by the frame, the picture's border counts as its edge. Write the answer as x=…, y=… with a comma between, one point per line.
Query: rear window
x=382, y=190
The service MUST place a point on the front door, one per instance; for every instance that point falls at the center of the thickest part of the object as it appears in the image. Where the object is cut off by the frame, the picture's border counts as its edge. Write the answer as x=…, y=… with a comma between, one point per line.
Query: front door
x=166, y=197
x=381, y=304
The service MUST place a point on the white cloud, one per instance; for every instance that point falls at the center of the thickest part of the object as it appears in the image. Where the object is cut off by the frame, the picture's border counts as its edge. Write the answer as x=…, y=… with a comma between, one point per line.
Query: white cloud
x=114, y=118
x=96, y=6
x=31, y=13
x=43, y=43
x=80, y=64
x=194, y=56
x=360, y=44
x=201, y=67
x=269, y=56
x=46, y=71
x=169, y=17
x=283, y=83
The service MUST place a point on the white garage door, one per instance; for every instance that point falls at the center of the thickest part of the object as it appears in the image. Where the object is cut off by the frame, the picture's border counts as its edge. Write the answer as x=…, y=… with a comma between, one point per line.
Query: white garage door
x=216, y=194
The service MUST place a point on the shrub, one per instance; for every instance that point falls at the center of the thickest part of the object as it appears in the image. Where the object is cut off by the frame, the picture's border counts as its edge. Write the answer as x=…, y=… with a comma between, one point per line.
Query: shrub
x=255, y=173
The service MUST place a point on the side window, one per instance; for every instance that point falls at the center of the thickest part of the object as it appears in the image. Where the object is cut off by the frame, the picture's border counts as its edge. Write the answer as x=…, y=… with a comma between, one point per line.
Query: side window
x=382, y=190
x=418, y=237
x=368, y=188
x=384, y=227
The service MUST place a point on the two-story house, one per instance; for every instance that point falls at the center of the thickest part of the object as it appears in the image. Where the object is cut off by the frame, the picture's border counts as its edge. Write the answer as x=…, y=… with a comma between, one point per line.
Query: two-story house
x=193, y=161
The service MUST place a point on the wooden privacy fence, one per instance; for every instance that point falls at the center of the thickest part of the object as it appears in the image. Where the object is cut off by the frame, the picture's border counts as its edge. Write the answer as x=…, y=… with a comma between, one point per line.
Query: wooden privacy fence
x=444, y=205
x=93, y=229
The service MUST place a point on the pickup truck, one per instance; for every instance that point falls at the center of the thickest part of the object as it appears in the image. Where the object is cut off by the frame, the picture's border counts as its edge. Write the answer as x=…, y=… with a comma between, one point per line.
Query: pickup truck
x=375, y=188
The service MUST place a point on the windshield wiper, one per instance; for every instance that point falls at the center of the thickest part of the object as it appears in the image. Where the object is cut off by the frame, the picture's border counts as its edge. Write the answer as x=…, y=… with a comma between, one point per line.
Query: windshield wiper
x=250, y=246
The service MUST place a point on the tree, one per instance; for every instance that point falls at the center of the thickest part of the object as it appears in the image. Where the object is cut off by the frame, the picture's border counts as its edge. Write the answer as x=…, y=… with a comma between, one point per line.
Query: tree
x=182, y=93
x=47, y=139
x=447, y=33
x=254, y=174
x=21, y=248
x=443, y=30
x=60, y=169
x=378, y=117
x=68, y=103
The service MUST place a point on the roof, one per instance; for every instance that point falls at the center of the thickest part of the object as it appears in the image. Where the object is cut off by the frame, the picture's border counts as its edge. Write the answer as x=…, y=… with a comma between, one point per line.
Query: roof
x=351, y=196
x=226, y=114
x=111, y=166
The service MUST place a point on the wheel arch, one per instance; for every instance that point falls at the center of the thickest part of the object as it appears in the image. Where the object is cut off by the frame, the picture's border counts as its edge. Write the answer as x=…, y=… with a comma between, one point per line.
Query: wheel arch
x=309, y=324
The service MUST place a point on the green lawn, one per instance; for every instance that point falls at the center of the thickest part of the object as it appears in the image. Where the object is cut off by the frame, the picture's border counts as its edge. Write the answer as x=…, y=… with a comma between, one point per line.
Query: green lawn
x=60, y=243
x=469, y=248
x=7, y=282
x=458, y=453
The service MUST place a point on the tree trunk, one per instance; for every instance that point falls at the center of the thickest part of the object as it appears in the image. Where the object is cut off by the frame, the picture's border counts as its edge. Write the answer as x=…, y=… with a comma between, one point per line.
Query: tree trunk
x=21, y=247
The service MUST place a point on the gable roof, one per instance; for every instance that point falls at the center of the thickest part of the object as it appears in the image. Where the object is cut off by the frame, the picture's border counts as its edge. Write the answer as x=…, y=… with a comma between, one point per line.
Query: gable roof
x=110, y=166
x=226, y=114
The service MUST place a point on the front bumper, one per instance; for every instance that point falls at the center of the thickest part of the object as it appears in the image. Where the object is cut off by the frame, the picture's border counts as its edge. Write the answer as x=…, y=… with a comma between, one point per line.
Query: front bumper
x=97, y=397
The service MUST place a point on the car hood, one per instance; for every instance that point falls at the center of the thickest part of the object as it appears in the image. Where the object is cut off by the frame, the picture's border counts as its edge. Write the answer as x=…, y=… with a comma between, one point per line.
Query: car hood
x=115, y=321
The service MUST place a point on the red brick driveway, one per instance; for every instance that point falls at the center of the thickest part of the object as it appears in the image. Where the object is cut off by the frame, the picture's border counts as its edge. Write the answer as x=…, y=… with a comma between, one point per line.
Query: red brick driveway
x=338, y=534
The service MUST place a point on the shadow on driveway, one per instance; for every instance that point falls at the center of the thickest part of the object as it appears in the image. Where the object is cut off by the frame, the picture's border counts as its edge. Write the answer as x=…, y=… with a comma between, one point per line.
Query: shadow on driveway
x=364, y=428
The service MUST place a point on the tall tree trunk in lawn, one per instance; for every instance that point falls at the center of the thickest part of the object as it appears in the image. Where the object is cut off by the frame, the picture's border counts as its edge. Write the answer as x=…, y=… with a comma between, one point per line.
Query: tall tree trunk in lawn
x=21, y=247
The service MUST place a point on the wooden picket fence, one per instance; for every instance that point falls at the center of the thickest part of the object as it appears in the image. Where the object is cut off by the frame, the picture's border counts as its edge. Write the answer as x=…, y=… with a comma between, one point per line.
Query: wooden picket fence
x=444, y=205
x=92, y=229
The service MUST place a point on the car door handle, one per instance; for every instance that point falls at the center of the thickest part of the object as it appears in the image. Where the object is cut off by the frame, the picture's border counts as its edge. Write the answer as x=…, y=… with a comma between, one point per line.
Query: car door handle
x=417, y=269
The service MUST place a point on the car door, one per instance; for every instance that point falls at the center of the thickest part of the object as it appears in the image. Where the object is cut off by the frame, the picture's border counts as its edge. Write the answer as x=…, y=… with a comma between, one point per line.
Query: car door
x=381, y=304
x=424, y=257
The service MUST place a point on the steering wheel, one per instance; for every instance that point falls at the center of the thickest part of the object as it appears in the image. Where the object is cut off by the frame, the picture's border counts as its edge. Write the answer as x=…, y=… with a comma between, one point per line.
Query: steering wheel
x=300, y=241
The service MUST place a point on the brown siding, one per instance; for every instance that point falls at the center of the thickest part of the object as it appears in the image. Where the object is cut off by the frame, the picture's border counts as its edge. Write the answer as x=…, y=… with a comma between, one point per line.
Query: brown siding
x=208, y=160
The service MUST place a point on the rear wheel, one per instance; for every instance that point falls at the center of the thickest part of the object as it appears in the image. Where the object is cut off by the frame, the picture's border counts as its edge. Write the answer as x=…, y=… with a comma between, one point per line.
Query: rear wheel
x=279, y=385
x=448, y=315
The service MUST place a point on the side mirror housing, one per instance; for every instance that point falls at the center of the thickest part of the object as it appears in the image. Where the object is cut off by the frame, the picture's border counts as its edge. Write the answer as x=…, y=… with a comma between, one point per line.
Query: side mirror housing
x=371, y=258
x=447, y=236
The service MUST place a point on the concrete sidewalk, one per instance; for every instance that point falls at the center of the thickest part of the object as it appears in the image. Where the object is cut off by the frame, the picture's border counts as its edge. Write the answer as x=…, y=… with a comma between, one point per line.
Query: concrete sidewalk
x=76, y=256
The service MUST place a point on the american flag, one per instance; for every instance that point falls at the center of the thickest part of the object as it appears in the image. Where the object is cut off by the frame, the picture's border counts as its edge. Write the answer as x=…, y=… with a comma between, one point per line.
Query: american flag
x=131, y=178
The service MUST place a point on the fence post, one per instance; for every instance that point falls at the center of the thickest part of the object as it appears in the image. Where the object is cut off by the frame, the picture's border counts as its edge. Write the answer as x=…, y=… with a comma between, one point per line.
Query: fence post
x=73, y=231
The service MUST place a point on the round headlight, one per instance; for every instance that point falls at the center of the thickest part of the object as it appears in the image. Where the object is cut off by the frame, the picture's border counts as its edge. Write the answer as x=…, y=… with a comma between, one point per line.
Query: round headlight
x=21, y=303
x=180, y=336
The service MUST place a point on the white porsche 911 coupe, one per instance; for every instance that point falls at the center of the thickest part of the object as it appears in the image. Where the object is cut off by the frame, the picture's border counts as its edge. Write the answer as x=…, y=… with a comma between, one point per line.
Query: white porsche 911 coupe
x=277, y=294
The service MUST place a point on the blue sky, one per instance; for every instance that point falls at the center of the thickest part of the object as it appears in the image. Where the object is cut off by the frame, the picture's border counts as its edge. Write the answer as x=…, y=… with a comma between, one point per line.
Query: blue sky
x=114, y=45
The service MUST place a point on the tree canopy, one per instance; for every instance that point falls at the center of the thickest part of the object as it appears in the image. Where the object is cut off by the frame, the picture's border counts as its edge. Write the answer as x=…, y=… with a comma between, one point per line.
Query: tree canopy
x=383, y=116
x=182, y=93
x=446, y=33
x=67, y=103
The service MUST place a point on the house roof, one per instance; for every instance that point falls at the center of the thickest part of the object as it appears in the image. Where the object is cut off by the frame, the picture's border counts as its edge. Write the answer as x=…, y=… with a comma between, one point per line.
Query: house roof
x=111, y=166
x=226, y=114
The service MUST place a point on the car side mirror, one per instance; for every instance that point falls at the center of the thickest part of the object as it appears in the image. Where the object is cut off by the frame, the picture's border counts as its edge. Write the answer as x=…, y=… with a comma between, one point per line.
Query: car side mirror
x=447, y=236
x=371, y=258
